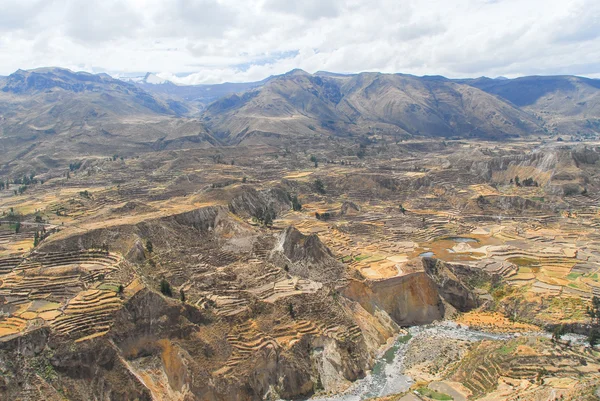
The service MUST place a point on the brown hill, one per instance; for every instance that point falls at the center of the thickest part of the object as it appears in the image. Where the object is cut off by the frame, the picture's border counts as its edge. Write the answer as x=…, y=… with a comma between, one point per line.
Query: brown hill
x=58, y=114
x=566, y=104
x=298, y=103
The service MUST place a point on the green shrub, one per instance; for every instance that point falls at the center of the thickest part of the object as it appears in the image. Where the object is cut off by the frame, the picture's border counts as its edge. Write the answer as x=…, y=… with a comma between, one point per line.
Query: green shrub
x=165, y=288
x=435, y=395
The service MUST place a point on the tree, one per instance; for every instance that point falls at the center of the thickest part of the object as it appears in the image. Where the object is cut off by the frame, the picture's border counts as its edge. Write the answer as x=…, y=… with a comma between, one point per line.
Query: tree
x=121, y=289
x=296, y=205
x=593, y=311
x=17, y=227
x=558, y=332
x=36, y=239
x=182, y=295
x=402, y=209
x=594, y=337
x=319, y=186
x=268, y=218
x=149, y=246
x=517, y=181
x=165, y=288
x=323, y=216
x=291, y=310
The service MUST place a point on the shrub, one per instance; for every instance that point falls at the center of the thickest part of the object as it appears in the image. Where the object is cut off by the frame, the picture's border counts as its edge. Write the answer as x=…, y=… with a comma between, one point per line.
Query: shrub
x=558, y=332
x=165, y=288
x=296, y=205
x=594, y=337
x=319, y=186
x=323, y=216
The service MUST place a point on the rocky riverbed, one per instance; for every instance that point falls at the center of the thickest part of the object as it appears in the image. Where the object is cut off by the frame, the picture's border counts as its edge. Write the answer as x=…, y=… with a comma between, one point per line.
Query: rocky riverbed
x=434, y=343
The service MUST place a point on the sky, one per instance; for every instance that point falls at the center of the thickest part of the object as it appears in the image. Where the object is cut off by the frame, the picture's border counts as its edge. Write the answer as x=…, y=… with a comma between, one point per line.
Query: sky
x=213, y=41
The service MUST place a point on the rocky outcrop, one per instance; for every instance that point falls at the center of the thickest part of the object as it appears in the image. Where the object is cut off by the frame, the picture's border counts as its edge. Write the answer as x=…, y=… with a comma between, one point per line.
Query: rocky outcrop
x=126, y=238
x=585, y=155
x=486, y=167
x=306, y=256
x=513, y=203
x=253, y=203
x=349, y=208
x=450, y=286
x=410, y=299
x=37, y=365
x=421, y=296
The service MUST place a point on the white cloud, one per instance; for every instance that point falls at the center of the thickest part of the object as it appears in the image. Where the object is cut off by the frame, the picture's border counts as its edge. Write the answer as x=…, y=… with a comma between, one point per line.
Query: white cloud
x=206, y=41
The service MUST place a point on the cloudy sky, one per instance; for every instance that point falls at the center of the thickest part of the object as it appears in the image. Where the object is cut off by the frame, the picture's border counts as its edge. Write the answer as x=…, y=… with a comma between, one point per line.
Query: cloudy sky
x=211, y=41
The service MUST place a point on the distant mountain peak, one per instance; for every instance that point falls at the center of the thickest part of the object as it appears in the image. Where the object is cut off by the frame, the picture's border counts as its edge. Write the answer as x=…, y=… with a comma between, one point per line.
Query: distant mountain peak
x=296, y=72
x=149, y=78
x=154, y=79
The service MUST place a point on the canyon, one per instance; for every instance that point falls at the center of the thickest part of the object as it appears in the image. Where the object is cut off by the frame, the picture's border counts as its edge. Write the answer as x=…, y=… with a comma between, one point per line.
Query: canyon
x=295, y=240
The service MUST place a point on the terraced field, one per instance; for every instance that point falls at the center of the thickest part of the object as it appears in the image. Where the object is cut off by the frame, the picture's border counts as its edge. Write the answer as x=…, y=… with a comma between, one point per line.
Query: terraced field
x=179, y=266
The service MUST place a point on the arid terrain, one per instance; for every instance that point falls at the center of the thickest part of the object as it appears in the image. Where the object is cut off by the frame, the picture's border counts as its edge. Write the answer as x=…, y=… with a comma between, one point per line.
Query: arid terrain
x=276, y=245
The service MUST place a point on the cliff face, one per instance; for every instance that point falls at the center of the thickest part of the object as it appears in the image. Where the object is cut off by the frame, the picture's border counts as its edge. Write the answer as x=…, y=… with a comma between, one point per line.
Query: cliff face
x=450, y=283
x=410, y=299
x=418, y=297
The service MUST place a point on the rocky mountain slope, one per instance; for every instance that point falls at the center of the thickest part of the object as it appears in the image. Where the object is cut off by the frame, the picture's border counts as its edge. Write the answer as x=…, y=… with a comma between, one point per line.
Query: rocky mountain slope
x=300, y=103
x=565, y=104
x=51, y=114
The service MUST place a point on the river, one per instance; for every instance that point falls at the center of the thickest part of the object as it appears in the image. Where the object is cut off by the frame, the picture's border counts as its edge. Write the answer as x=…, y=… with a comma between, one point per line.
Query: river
x=387, y=376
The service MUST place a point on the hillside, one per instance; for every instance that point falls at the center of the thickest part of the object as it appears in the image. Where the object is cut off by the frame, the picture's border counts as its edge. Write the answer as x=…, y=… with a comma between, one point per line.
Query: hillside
x=56, y=113
x=301, y=103
x=431, y=107
x=565, y=104
x=49, y=116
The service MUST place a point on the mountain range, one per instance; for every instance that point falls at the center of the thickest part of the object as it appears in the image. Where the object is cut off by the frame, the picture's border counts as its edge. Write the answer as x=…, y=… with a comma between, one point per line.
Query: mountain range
x=50, y=115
